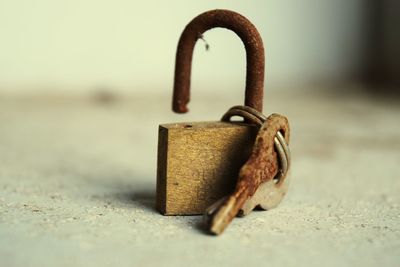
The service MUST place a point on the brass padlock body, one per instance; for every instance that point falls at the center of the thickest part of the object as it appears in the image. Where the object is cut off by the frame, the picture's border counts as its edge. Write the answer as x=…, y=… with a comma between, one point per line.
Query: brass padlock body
x=198, y=163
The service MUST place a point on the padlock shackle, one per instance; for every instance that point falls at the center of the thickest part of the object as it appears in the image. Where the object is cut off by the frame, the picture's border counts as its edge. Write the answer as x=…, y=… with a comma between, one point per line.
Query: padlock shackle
x=254, y=56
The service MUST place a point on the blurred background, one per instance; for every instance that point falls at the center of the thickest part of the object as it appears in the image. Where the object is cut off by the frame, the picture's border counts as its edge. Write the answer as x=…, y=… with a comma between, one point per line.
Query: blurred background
x=84, y=85
x=129, y=46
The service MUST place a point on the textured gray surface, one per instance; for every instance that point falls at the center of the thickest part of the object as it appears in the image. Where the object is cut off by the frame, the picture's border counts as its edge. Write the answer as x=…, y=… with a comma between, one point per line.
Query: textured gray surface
x=77, y=187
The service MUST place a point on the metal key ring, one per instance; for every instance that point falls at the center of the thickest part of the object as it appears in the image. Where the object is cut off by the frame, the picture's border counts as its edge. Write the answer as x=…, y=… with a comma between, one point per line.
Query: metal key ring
x=258, y=118
x=246, y=112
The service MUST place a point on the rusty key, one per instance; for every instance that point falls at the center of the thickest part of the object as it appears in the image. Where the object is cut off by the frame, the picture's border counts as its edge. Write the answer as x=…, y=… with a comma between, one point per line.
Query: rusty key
x=262, y=179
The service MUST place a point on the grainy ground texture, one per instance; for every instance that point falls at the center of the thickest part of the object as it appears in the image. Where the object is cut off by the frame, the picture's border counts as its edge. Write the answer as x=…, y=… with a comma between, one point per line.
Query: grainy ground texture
x=77, y=185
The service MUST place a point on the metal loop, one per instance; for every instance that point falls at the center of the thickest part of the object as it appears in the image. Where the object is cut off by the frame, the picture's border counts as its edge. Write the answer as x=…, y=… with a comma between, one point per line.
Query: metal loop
x=251, y=114
x=256, y=117
x=253, y=44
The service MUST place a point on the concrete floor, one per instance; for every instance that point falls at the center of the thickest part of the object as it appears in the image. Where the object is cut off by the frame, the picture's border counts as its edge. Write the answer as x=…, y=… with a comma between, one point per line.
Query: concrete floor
x=77, y=186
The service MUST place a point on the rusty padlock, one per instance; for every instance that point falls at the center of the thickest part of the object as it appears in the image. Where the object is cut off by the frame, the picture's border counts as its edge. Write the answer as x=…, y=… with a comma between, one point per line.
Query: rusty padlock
x=198, y=162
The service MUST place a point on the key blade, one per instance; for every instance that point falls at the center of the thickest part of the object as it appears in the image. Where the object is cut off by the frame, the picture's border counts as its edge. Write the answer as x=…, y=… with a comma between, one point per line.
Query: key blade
x=211, y=210
x=219, y=215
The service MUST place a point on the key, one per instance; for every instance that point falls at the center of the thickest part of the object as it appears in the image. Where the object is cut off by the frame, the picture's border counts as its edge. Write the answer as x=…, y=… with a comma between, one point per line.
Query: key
x=271, y=192
x=262, y=179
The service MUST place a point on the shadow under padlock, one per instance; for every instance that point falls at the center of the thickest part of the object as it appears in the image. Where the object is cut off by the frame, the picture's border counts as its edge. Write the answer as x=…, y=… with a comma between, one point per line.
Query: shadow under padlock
x=198, y=162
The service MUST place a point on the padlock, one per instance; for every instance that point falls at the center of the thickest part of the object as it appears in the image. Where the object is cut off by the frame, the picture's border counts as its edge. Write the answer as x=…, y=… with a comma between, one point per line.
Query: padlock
x=198, y=162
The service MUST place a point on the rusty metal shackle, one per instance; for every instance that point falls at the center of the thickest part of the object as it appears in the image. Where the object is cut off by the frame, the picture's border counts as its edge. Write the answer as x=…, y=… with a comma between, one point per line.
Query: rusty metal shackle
x=254, y=56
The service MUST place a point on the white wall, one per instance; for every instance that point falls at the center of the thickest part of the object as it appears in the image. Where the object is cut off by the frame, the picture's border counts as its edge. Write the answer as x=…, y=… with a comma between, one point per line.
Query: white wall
x=79, y=45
